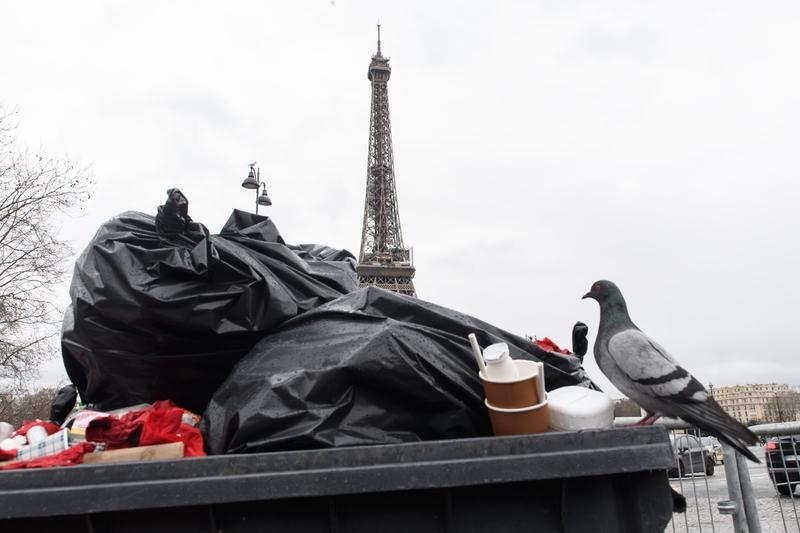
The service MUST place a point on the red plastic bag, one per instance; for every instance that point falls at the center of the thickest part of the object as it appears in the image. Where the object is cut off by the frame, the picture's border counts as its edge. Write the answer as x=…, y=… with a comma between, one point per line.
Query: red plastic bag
x=164, y=425
x=70, y=456
x=48, y=426
x=5, y=455
x=160, y=423
x=550, y=346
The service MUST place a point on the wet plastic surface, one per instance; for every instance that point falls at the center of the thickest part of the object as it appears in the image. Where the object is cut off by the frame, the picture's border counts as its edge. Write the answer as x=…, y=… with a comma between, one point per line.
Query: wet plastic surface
x=161, y=309
x=63, y=403
x=613, y=480
x=372, y=367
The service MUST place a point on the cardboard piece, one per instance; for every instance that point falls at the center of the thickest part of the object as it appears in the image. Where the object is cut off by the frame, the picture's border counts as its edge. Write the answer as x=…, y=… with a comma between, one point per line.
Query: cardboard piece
x=173, y=450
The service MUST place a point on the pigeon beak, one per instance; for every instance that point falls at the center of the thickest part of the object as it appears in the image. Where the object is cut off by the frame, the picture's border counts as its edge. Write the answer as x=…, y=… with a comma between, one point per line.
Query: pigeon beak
x=587, y=295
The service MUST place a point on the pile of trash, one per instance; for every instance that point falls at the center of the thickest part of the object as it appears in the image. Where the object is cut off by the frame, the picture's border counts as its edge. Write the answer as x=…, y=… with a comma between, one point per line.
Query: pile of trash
x=273, y=343
x=161, y=309
x=372, y=367
x=141, y=432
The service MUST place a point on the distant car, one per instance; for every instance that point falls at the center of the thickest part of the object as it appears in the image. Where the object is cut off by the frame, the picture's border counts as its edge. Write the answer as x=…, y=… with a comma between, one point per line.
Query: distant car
x=782, y=455
x=714, y=448
x=691, y=457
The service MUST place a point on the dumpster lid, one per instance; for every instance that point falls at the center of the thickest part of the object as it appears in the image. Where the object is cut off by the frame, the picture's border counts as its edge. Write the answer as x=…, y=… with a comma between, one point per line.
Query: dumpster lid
x=230, y=478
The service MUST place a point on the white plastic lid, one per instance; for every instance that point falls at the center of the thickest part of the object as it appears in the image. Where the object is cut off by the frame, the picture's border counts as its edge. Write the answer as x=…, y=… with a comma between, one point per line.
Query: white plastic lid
x=495, y=353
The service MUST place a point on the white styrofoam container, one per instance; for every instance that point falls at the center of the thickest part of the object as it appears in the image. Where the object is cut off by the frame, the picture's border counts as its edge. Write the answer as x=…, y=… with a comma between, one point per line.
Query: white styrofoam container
x=576, y=408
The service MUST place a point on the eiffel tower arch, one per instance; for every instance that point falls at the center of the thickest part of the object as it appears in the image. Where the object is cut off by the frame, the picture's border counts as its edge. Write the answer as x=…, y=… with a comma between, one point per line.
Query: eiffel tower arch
x=383, y=260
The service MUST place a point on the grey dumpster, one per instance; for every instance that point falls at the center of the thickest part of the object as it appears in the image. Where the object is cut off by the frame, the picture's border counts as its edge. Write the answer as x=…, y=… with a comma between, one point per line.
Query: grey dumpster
x=609, y=480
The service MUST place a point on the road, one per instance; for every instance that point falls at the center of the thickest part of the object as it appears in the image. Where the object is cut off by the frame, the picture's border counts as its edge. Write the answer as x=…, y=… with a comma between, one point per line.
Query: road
x=776, y=513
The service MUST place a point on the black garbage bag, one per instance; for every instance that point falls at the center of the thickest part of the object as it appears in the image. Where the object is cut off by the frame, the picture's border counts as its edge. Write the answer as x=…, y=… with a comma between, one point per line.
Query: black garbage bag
x=63, y=403
x=160, y=309
x=372, y=367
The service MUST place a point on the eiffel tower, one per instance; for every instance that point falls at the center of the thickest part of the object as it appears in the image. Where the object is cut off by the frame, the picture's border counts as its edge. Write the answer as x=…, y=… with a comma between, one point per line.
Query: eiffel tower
x=383, y=261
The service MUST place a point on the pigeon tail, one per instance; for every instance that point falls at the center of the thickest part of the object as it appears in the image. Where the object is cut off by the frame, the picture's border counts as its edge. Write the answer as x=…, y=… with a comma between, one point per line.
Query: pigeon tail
x=709, y=416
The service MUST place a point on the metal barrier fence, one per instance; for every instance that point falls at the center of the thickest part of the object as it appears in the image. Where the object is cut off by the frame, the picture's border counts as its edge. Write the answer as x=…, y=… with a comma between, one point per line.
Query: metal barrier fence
x=711, y=497
x=782, y=458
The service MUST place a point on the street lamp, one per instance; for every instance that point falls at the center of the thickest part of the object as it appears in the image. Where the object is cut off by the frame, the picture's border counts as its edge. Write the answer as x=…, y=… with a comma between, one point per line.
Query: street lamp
x=253, y=181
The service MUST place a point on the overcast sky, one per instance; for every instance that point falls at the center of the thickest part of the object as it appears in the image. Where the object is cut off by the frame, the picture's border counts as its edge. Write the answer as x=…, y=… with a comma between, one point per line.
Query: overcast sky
x=539, y=146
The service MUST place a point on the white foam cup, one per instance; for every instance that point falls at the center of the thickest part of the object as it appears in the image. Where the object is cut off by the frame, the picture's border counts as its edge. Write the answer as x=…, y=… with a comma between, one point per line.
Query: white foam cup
x=36, y=434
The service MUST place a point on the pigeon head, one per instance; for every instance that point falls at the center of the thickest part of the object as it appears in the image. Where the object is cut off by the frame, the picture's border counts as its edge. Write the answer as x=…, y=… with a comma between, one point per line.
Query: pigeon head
x=603, y=291
x=613, y=309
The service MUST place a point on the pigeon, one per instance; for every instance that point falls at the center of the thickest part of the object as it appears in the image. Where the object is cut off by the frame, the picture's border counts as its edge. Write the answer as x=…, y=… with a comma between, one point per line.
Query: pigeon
x=644, y=371
x=579, y=342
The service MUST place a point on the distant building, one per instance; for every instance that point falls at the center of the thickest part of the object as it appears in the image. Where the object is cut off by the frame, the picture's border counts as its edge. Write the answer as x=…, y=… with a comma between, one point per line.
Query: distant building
x=626, y=407
x=759, y=402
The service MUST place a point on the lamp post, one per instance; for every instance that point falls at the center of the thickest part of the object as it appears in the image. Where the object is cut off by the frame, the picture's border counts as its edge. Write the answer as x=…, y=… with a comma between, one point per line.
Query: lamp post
x=253, y=181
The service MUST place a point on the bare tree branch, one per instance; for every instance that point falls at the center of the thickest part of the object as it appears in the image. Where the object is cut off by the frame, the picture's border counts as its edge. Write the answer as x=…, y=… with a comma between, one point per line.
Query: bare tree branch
x=19, y=405
x=35, y=191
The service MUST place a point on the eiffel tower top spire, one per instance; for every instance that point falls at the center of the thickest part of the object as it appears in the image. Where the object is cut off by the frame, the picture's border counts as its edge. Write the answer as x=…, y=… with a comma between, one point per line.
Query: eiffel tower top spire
x=383, y=260
x=379, y=69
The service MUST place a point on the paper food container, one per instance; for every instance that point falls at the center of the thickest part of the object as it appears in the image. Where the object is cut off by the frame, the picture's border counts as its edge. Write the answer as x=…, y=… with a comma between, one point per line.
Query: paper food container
x=521, y=421
x=522, y=391
x=575, y=408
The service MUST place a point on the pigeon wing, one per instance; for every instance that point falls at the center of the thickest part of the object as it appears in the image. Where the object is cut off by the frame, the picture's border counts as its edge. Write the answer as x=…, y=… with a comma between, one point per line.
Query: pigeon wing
x=652, y=370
